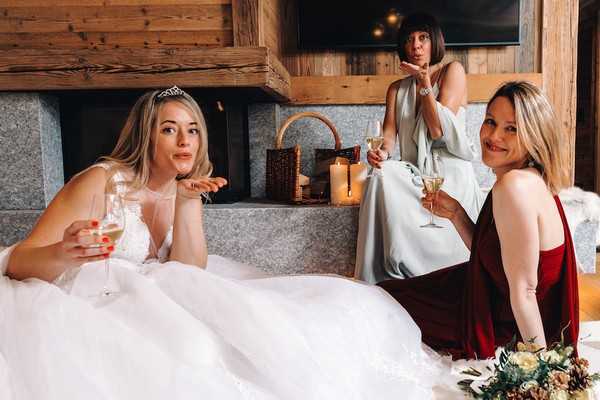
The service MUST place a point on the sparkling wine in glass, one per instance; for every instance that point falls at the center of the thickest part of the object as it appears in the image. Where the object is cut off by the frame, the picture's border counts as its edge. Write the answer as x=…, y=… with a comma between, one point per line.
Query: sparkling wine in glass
x=374, y=143
x=374, y=138
x=107, y=209
x=433, y=179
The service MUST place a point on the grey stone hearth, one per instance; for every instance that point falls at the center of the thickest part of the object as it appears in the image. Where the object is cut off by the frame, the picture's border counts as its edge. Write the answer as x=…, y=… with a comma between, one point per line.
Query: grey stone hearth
x=275, y=237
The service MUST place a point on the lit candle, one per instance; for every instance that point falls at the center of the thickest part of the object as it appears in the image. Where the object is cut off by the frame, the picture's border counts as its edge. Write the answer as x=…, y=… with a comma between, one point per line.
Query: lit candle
x=358, y=176
x=338, y=179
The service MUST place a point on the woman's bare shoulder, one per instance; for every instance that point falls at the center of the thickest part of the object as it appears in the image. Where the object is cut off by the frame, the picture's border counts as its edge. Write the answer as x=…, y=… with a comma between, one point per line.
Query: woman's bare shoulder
x=518, y=187
x=455, y=67
x=90, y=180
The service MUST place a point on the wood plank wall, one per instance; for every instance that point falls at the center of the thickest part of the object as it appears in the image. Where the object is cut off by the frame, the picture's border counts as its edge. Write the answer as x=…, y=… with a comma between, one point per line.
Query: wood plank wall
x=264, y=23
x=96, y=24
x=525, y=58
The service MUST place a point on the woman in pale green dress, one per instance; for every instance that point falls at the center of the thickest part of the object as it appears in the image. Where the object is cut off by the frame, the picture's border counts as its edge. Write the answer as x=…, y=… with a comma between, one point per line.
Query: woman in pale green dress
x=425, y=112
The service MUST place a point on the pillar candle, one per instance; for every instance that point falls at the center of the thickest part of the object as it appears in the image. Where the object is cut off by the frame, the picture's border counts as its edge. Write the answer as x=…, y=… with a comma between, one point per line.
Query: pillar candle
x=338, y=179
x=358, y=176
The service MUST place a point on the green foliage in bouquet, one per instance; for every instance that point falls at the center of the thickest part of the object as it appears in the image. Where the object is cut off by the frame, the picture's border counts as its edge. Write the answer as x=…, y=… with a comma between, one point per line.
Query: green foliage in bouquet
x=524, y=372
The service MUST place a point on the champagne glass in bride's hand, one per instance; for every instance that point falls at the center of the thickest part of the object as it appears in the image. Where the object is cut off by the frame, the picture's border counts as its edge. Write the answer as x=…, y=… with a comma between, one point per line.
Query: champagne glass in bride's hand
x=433, y=179
x=107, y=209
x=374, y=139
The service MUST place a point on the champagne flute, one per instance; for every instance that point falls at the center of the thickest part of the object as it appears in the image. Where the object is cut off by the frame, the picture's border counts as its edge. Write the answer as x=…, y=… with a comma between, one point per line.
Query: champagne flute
x=433, y=179
x=108, y=210
x=374, y=138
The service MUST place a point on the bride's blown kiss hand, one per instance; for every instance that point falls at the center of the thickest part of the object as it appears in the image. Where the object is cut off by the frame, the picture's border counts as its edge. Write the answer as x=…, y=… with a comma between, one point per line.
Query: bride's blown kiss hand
x=194, y=187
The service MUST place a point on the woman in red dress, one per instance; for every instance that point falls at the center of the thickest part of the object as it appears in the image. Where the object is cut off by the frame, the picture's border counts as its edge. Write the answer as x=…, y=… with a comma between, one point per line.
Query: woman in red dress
x=521, y=278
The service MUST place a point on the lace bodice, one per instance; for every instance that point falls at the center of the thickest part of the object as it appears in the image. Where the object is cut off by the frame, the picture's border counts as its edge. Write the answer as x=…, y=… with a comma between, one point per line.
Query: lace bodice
x=135, y=243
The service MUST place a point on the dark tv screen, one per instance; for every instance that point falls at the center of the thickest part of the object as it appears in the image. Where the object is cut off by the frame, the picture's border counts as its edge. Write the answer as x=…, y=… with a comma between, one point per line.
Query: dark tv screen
x=374, y=23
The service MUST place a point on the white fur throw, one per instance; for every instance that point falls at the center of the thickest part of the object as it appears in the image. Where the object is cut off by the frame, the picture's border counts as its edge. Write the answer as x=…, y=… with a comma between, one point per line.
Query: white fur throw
x=580, y=206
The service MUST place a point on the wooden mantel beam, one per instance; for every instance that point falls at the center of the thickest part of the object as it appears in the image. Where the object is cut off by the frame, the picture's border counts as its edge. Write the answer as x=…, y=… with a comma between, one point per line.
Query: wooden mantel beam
x=371, y=89
x=68, y=69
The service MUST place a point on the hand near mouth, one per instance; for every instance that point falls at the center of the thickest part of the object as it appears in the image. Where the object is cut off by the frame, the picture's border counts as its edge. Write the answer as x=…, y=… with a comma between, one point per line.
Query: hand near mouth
x=421, y=73
x=194, y=187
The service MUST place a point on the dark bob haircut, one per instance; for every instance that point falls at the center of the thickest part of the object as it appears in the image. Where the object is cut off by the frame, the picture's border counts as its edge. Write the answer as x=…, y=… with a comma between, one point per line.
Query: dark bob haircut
x=425, y=23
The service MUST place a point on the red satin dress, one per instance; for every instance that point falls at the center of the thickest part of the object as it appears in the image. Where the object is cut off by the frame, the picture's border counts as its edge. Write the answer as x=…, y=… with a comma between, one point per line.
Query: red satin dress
x=465, y=309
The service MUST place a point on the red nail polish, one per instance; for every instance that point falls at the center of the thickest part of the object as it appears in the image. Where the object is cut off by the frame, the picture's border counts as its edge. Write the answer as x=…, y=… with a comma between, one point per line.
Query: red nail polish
x=110, y=248
x=95, y=223
x=105, y=255
x=105, y=239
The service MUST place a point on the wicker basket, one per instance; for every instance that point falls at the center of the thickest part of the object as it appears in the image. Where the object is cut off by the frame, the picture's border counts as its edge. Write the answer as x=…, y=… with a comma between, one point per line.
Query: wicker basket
x=283, y=165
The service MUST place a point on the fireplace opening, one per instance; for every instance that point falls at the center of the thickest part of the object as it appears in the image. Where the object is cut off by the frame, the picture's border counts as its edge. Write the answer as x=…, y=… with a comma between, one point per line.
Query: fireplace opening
x=92, y=120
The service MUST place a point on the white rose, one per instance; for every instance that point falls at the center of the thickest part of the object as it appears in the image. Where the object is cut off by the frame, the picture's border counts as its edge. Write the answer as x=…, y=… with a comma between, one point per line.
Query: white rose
x=528, y=362
x=559, y=395
x=568, y=350
x=525, y=386
x=551, y=356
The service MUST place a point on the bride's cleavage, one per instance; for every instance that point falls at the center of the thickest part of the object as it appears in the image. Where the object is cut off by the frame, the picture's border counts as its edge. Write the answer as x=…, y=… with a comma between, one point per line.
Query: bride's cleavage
x=156, y=215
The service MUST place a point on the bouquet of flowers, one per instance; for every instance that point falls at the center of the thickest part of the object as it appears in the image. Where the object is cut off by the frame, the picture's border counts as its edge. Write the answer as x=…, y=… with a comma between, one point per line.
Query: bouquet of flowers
x=524, y=372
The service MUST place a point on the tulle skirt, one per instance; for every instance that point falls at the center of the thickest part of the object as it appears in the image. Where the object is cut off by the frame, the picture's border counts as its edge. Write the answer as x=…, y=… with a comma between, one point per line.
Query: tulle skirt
x=176, y=332
x=228, y=332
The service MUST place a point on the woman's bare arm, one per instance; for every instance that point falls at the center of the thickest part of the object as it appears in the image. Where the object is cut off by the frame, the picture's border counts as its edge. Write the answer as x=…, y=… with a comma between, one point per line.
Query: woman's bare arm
x=516, y=218
x=452, y=92
x=59, y=240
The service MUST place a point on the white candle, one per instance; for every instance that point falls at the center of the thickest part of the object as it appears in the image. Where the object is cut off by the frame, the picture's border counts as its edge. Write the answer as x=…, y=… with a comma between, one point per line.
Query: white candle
x=358, y=176
x=338, y=179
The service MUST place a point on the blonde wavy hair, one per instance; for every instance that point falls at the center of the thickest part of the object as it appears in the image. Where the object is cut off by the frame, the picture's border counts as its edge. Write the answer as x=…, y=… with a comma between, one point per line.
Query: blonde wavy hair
x=538, y=132
x=135, y=147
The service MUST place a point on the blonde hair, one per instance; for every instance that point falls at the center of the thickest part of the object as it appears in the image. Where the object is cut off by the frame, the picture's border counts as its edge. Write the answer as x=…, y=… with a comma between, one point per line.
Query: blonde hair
x=134, y=149
x=538, y=131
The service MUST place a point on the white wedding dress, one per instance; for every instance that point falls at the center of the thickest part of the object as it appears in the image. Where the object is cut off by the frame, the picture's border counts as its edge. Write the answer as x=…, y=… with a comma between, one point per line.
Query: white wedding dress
x=228, y=332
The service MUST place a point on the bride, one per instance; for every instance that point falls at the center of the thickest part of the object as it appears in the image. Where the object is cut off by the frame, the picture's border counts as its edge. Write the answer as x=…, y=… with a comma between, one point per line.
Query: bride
x=185, y=325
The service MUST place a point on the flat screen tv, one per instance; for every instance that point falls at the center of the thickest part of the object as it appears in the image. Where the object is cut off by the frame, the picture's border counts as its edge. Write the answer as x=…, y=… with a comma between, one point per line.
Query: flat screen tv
x=330, y=24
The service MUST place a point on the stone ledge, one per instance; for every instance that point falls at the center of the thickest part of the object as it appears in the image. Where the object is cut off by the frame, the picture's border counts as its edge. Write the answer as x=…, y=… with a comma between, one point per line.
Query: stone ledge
x=286, y=239
x=278, y=238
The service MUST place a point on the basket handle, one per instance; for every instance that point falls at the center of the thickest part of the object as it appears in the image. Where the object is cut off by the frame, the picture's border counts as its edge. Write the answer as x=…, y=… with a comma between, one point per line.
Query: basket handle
x=288, y=122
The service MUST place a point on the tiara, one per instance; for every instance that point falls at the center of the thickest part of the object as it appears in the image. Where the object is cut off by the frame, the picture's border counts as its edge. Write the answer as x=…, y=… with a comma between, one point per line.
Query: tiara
x=172, y=91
